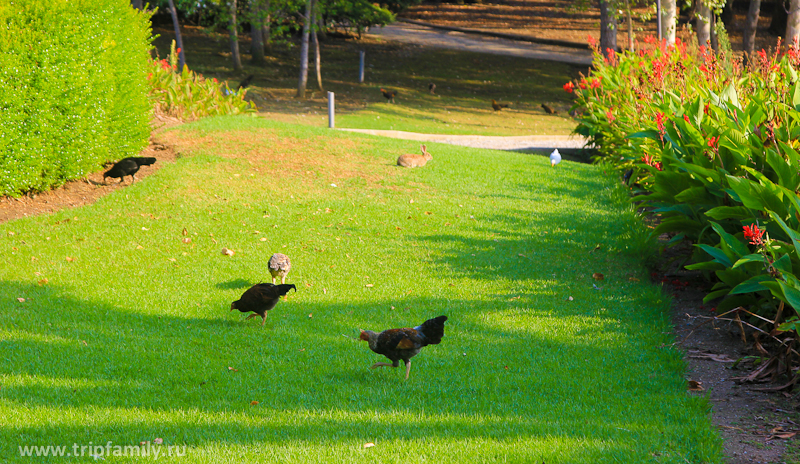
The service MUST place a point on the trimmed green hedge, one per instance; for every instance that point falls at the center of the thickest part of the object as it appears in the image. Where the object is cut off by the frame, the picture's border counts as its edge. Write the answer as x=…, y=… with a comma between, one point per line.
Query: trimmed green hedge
x=73, y=89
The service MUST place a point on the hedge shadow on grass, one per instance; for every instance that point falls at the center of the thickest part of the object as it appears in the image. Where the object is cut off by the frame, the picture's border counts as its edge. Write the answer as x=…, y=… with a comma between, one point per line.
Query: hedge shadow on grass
x=82, y=371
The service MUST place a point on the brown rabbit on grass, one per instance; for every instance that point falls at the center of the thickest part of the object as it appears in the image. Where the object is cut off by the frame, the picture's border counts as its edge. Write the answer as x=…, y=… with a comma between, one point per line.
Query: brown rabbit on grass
x=414, y=161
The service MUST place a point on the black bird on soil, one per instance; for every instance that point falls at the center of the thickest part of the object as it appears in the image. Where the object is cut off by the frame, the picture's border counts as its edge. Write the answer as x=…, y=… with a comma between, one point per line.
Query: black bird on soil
x=397, y=344
x=127, y=167
x=245, y=82
x=389, y=95
x=260, y=298
x=498, y=106
x=549, y=109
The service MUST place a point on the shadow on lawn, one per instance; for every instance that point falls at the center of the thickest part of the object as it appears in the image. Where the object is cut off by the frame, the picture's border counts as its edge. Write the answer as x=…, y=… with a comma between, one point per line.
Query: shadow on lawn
x=135, y=376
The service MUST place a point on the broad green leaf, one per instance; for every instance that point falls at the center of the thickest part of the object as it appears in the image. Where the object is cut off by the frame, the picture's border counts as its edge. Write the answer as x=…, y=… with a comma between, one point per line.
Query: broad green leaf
x=739, y=248
x=718, y=255
x=793, y=234
x=753, y=284
x=751, y=258
x=729, y=212
x=706, y=266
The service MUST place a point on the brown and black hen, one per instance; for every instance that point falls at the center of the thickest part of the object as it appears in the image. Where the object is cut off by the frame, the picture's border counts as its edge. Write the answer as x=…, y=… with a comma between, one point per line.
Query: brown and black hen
x=260, y=298
x=498, y=106
x=127, y=167
x=549, y=109
x=389, y=94
x=397, y=344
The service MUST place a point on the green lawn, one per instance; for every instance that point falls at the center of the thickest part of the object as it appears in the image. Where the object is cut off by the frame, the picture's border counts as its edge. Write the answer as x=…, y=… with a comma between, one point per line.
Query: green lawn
x=125, y=334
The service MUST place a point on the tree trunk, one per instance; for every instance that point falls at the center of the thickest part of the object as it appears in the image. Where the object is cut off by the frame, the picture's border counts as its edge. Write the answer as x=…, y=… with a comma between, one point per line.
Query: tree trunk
x=137, y=4
x=317, y=59
x=630, y=24
x=714, y=41
x=669, y=17
x=233, y=33
x=267, y=22
x=257, y=43
x=750, y=27
x=178, y=40
x=608, y=27
x=793, y=23
x=780, y=17
x=301, y=85
x=703, y=19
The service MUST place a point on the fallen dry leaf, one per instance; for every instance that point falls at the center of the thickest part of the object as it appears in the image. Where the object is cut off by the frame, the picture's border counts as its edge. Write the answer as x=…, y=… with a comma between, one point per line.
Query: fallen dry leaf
x=139, y=247
x=598, y=276
x=84, y=343
x=228, y=252
x=254, y=403
x=263, y=239
x=232, y=369
x=70, y=259
x=310, y=315
x=21, y=300
x=569, y=298
x=523, y=256
x=370, y=444
x=158, y=441
x=428, y=213
x=187, y=240
x=633, y=279
x=710, y=356
x=43, y=281
x=185, y=232
x=369, y=285
x=514, y=298
x=694, y=385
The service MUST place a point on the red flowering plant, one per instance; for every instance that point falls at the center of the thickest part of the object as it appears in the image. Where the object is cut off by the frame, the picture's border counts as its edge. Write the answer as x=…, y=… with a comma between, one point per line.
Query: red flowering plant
x=188, y=95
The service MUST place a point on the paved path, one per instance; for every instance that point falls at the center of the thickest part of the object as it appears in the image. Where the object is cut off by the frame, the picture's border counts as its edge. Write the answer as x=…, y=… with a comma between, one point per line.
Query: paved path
x=525, y=142
x=422, y=35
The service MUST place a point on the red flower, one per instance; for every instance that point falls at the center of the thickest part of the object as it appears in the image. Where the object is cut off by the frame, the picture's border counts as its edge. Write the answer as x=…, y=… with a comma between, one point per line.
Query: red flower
x=569, y=87
x=686, y=118
x=592, y=41
x=596, y=83
x=149, y=76
x=178, y=51
x=713, y=142
x=214, y=79
x=610, y=116
x=754, y=234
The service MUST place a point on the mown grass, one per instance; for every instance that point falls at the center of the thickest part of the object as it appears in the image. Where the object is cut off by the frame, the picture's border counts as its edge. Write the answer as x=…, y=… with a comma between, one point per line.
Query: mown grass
x=131, y=339
x=465, y=85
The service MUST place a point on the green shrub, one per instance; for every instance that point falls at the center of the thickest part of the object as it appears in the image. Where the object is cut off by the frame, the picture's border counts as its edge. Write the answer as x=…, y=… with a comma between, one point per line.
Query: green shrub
x=73, y=89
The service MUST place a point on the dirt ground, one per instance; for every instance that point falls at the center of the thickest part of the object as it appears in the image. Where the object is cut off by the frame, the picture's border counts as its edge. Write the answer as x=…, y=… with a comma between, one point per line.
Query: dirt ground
x=756, y=426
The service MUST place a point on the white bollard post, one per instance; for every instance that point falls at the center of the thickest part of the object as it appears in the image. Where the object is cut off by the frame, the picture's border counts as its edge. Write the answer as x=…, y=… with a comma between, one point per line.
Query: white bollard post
x=361, y=54
x=330, y=109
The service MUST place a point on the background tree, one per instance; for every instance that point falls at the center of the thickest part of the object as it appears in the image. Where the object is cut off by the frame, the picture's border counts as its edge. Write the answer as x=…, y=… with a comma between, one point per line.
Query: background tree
x=301, y=85
x=233, y=34
x=178, y=39
x=256, y=32
x=608, y=26
x=703, y=23
x=669, y=20
x=317, y=57
x=793, y=22
x=750, y=27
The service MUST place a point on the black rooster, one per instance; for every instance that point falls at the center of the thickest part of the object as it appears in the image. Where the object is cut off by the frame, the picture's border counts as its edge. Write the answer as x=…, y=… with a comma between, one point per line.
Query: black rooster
x=127, y=167
x=397, y=344
x=245, y=82
x=260, y=298
x=389, y=95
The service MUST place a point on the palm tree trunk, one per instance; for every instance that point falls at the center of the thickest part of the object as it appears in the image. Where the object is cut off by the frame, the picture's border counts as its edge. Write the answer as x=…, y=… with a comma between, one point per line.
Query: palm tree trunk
x=317, y=59
x=703, y=23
